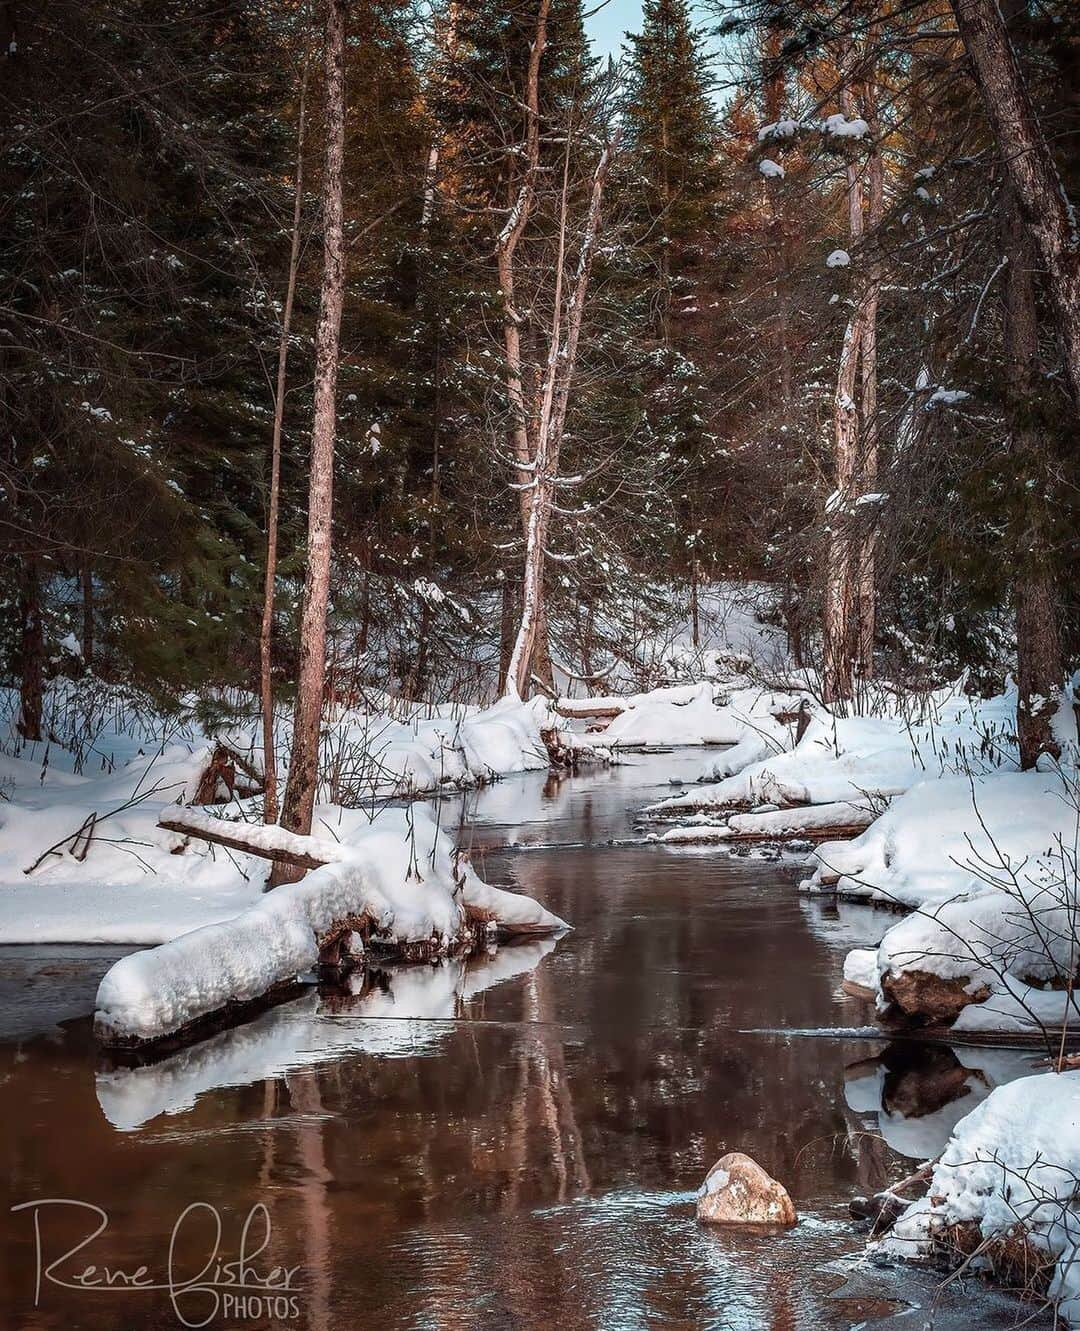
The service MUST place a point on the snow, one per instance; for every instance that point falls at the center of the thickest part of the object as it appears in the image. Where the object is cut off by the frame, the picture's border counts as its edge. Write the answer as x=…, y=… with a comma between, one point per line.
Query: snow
x=703, y=713
x=716, y=1182
x=1011, y=1165
x=860, y=967
x=769, y=169
x=935, y=842
x=947, y=397
x=398, y=872
x=838, y=259
x=851, y=759
x=838, y=126
x=779, y=129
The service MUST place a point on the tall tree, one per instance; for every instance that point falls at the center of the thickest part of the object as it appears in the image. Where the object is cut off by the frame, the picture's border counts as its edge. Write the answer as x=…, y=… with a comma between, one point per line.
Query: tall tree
x=303, y=777
x=1032, y=171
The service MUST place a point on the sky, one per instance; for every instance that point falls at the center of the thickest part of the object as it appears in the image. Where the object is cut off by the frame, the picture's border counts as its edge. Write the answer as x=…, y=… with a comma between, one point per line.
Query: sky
x=607, y=25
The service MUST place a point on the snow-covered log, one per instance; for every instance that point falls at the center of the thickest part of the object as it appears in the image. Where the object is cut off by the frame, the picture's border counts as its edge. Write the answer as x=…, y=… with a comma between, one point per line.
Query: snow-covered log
x=396, y=882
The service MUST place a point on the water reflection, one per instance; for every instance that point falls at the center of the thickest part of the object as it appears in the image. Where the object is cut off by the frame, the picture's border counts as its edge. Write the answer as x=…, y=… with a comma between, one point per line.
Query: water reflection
x=918, y=1093
x=391, y=1013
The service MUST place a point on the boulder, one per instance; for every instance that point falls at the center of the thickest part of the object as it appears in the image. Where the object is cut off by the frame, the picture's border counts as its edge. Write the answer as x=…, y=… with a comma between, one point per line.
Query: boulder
x=737, y=1191
x=925, y=999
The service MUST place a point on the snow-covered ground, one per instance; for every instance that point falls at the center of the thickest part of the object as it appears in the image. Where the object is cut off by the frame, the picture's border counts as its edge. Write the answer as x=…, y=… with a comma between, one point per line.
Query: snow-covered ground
x=851, y=759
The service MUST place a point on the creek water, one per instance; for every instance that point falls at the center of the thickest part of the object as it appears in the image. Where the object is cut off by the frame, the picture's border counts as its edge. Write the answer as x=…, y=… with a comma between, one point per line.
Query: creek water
x=508, y=1142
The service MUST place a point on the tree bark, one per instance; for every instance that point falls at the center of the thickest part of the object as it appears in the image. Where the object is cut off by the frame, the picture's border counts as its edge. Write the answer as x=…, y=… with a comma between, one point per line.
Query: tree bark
x=1040, y=668
x=1025, y=153
x=300, y=790
x=555, y=400
x=849, y=616
x=266, y=627
x=866, y=590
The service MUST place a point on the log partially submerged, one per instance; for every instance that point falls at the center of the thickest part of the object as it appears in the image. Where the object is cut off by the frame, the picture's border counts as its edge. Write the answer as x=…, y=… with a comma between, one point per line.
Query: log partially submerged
x=275, y=843
x=808, y=822
x=366, y=897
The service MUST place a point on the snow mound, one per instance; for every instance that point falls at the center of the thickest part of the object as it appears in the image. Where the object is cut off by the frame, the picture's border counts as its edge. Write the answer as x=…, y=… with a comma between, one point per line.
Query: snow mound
x=1010, y=1169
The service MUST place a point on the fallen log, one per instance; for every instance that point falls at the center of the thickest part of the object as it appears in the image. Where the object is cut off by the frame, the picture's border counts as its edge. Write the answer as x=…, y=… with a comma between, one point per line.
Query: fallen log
x=191, y=823
x=590, y=708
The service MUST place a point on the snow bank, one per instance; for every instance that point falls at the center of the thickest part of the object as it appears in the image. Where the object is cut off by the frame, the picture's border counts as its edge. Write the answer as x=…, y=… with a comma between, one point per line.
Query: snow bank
x=691, y=714
x=1009, y=1171
x=988, y=866
x=373, y=755
x=943, y=836
x=398, y=874
x=850, y=759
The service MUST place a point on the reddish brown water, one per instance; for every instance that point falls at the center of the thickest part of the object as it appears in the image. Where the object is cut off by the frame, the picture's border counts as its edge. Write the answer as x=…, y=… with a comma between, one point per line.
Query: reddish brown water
x=514, y=1143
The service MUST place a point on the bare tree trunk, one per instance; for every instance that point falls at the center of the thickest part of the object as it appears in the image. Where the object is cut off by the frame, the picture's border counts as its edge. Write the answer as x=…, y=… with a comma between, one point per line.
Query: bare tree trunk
x=447, y=39
x=266, y=628
x=866, y=591
x=555, y=399
x=838, y=626
x=31, y=652
x=849, y=618
x=304, y=760
x=1025, y=153
x=839, y=607
x=506, y=632
x=1040, y=669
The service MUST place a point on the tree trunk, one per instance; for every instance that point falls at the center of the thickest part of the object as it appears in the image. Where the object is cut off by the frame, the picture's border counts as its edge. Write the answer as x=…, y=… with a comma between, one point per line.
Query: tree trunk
x=866, y=591
x=31, y=652
x=838, y=628
x=1026, y=157
x=1040, y=669
x=506, y=632
x=555, y=400
x=304, y=760
x=266, y=628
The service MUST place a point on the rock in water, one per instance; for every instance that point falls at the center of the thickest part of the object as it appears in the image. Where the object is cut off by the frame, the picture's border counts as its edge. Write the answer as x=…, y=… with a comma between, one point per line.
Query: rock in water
x=737, y=1191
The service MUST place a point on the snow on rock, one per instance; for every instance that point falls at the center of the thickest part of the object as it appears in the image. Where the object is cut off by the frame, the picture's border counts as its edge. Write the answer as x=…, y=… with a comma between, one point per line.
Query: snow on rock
x=770, y=170
x=985, y=865
x=1009, y=1172
x=398, y=873
x=860, y=968
x=737, y=1191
